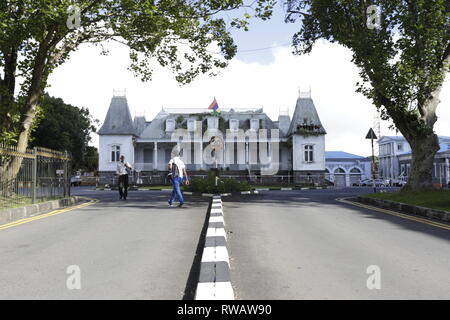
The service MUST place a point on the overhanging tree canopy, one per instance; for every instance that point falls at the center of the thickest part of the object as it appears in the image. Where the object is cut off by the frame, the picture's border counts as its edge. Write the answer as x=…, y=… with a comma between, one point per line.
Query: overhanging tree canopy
x=36, y=36
x=403, y=56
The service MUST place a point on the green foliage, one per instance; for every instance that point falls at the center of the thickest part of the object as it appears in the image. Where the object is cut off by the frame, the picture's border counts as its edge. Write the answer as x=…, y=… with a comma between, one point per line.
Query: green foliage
x=402, y=64
x=437, y=199
x=222, y=126
x=208, y=185
x=178, y=35
x=402, y=61
x=66, y=128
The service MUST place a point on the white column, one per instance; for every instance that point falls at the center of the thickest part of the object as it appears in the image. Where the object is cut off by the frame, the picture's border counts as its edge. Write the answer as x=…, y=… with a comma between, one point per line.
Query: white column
x=447, y=169
x=201, y=153
x=155, y=156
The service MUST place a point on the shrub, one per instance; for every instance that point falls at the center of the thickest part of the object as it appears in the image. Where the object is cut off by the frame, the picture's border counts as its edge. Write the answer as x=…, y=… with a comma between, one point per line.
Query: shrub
x=208, y=185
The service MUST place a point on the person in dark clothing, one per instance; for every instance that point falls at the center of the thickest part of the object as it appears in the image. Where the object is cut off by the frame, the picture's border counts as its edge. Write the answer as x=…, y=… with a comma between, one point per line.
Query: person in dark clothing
x=122, y=167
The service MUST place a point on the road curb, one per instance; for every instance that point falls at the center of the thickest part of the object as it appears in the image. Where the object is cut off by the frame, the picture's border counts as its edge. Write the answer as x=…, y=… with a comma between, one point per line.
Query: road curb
x=214, y=281
x=14, y=214
x=406, y=208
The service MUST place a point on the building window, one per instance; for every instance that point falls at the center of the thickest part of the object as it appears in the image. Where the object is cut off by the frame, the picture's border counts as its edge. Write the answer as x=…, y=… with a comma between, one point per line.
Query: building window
x=254, y=124
x=234, y=124
x=213, y=123
x=191, y=125
x=309, y=153
x=170, y=125
x=400, y=147
x=115, y=153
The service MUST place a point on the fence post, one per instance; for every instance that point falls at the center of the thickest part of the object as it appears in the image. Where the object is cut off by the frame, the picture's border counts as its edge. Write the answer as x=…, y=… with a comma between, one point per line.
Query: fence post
x=34, y=177
x=66, y=175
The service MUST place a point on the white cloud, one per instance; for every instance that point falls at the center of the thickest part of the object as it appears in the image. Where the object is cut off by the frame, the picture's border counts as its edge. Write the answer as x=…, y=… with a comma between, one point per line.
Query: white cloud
x=88, y=79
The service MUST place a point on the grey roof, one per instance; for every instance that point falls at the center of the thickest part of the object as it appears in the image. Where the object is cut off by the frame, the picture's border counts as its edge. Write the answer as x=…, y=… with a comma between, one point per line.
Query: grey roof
x=442, y=139
x=341, y=155
x=305, y=114
x=156, y=129
x=118, y=119
x=284, y=122
x=139, y=124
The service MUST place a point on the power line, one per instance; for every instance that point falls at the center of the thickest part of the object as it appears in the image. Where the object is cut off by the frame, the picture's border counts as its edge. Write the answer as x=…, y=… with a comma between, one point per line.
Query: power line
x=265, y=48
x=257, y=49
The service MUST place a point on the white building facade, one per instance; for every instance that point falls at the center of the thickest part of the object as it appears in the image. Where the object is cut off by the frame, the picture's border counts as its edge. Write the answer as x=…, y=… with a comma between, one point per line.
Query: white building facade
x=395, y=159
x=346, y=169
x=254, y=145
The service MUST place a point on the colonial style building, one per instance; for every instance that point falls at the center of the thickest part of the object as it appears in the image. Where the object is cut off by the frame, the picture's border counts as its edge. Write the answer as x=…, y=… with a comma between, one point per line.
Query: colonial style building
x=395, y=159
x=345, y=169
x=294, y=147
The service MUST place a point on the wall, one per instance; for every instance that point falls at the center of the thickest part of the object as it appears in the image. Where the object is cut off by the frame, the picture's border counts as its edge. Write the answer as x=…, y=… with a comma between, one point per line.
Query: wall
x=298, y=153
x=126, y=149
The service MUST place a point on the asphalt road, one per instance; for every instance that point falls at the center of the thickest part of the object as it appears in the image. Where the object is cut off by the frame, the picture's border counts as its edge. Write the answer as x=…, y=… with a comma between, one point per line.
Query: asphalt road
x=138, y=249
x=306, y=245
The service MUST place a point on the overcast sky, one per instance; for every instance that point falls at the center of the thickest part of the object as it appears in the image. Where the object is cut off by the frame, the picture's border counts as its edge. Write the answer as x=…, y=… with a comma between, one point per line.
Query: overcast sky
x=263, y=74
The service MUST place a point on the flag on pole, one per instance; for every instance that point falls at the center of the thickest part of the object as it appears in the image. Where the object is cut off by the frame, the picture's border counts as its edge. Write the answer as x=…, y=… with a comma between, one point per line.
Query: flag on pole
x=214, y=105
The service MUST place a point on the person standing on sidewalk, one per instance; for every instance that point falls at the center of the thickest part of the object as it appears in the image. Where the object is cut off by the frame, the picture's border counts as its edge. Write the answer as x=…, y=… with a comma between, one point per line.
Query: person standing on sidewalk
x=178, y=174
x=123, y=177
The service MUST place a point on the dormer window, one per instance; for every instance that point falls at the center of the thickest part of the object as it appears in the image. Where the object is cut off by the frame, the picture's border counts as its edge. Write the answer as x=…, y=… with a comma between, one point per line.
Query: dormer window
x=213, y=123
x=170, y=125
x=234, y=124
x=254, y=124
x=191, y=125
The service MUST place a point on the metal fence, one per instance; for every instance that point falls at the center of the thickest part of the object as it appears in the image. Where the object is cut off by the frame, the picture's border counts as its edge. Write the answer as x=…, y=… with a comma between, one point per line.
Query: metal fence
x=160, y=178
x=38, y=174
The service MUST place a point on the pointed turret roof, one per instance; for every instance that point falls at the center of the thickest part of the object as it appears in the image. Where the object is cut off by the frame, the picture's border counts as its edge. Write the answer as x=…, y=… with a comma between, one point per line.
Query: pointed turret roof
x=306, y=115
x=118, y=119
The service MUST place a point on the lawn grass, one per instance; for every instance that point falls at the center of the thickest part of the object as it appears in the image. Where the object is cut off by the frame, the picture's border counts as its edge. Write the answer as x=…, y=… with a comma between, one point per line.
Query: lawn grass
x=21, y=201
x=439, y=199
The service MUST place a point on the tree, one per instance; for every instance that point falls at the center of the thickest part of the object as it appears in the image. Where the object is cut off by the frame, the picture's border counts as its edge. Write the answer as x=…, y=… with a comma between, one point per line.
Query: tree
x=36, y=36
x=402, y=50
x=90, y=162
x=65, y=128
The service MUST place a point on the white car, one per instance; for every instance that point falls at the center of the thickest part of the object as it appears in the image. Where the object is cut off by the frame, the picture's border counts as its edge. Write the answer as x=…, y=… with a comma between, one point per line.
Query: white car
x=370, y=183
x=75, y=181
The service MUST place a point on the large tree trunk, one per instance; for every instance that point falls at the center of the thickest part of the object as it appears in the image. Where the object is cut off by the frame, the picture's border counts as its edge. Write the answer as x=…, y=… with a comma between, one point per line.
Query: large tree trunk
x=424, y=149
x=11, y=168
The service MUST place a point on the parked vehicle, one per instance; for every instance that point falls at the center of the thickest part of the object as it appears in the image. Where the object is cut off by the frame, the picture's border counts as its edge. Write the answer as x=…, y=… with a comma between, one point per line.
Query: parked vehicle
x=370, y=183
x=360, y=183
x=75, y=181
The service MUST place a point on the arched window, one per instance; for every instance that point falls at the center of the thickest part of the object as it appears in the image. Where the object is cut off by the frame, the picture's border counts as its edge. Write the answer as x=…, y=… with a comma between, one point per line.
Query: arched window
x=355, y=171
x=115, y=153
x=309, y=153
x=339, y=171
